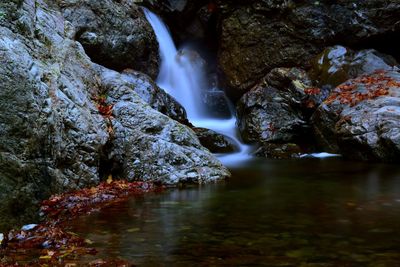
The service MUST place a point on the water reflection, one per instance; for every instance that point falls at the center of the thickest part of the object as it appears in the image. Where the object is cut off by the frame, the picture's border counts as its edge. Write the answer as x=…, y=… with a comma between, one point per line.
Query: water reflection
x=306, y=212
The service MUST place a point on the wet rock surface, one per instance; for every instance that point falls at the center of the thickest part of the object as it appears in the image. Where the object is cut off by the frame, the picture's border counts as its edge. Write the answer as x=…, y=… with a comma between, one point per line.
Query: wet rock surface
x=51, y=131
x=114, y=34
x=337, y=64
x=215, y=99
x=148, y=91
x=279, y=151
x=150, y=146
x=278, y=109
x=361, y=118
x=257, y=36
x=215, y=142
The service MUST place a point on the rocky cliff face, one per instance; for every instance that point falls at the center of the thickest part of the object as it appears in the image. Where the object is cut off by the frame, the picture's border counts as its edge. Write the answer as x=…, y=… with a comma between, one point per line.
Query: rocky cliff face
x=257, y=36
x=115, y=34
x=62, y=115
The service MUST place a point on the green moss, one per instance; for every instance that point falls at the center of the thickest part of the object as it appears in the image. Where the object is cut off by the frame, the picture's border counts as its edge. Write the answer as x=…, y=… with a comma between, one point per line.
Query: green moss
x=2, y=14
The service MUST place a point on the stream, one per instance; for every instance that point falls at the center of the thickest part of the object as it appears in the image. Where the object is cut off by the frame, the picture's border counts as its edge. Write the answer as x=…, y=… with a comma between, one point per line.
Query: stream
x=300, y=212
x=305, y=212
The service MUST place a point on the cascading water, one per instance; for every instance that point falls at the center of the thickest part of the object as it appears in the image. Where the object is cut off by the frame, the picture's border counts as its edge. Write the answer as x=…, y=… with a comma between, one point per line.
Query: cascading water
x=177, y=70
x=182, y=76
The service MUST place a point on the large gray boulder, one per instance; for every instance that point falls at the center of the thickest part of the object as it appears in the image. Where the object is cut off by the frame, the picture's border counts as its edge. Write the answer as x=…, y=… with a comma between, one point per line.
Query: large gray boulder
x=54, y=134
x=361, y=118
x=150, y=146
x=148, y=91
x=114, y=34
x=278, y=108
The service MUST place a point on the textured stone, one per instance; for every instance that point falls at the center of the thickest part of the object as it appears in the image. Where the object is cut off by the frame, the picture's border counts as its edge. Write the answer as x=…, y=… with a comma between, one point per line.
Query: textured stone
x=361, y=118
x=150, y=146
x=114, y=34
x=277, y=110
x=215, y=142
x=257, y=36
x=337, y=64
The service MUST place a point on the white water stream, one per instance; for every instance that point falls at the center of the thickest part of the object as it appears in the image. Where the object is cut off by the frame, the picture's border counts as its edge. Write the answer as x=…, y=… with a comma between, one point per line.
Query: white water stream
x=182, y=75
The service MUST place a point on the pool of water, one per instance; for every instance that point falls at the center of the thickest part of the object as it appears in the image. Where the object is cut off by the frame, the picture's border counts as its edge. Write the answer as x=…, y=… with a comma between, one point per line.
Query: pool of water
x=306, y=212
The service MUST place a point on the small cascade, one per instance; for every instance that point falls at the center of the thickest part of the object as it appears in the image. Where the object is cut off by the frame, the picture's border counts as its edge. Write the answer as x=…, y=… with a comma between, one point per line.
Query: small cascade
x=181, y=72
x=182, y=75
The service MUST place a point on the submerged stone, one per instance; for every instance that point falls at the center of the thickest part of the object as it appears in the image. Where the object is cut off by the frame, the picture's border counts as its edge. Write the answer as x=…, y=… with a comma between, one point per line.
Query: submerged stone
x=215, y=142
x=279, y=151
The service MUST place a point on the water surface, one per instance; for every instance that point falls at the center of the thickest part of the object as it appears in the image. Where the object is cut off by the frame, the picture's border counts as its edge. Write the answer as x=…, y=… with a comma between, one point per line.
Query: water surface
x=307, y=212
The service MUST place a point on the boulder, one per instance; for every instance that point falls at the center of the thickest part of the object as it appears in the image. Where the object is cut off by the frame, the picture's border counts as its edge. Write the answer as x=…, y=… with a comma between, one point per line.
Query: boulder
x=148, y=91
x=114, y=34
x=277, y=110
x=216, y=103
x=215, y=142
x=361, y=118
x=337, y=64
x=149, y=146
x=279, y=151
x=257, y=36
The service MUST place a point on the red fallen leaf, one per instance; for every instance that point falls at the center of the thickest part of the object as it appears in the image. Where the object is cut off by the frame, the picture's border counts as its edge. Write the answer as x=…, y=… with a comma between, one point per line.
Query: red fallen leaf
x=105, y=110
x=380, y=71
x=310, y=104
x=49, y=243
x=85, y=200
x=347, y=87
x=211, y=7
x=376, y=85
x=393, y=83
x=312, y=91
x=272, y=127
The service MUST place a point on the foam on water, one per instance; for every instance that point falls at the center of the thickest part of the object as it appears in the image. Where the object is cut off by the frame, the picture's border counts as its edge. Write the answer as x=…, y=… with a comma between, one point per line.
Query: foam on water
x=320, y=155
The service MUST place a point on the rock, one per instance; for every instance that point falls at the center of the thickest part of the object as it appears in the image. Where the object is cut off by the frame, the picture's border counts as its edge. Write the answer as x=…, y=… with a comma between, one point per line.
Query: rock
x=148, y=91
x=56, y=128
x=279, y=151
x=215, y=142
x=278, y=109
x=217, y=104
x=337, y=64
x=115, y=34
x=51, y=132
x=361, y=118
x=150, y=146
x=257, y=36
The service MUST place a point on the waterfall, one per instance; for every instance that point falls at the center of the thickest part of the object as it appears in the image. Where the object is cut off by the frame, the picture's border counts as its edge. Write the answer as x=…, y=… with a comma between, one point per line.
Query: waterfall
x=182, y=75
